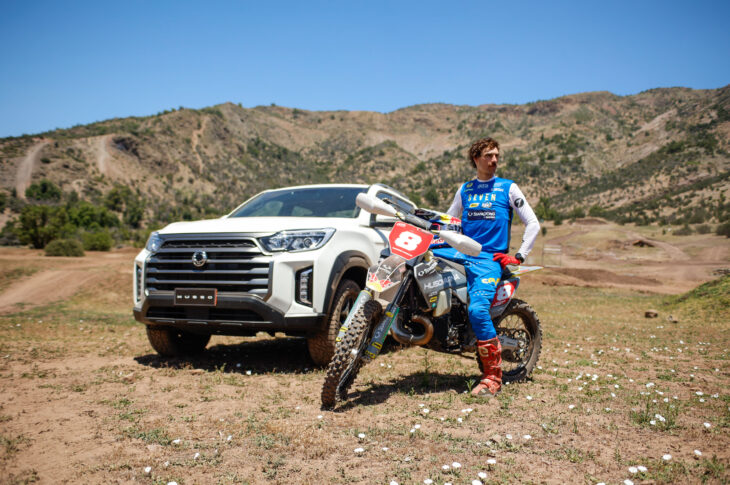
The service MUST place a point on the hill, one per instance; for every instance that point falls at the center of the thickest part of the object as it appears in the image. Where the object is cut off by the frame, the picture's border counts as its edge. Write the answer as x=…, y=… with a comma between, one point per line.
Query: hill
x=658, y=156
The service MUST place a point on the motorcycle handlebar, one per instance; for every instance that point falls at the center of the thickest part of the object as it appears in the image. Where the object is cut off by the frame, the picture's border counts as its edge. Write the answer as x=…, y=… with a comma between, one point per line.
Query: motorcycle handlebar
x=457, y=241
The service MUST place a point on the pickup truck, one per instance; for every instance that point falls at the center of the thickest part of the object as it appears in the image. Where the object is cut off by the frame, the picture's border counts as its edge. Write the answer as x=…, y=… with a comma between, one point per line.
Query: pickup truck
x=289, y=260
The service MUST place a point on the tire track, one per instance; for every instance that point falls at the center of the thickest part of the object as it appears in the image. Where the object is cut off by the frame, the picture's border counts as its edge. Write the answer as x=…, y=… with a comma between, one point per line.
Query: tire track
x=25, y=169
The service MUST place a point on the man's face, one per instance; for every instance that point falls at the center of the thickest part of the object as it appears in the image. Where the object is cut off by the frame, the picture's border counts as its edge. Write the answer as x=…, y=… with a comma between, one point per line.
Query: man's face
x=487, y=161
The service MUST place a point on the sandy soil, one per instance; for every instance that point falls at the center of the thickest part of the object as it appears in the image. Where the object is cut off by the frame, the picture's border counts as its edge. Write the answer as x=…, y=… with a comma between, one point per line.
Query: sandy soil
x=84, y=399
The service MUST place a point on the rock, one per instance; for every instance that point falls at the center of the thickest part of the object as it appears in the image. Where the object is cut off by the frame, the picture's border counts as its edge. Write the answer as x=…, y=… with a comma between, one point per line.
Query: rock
x=651, y=314
x=671, y=319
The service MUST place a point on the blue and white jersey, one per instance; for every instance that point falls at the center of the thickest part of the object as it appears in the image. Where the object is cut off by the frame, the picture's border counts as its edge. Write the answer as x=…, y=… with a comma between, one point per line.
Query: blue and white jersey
x=486, y=208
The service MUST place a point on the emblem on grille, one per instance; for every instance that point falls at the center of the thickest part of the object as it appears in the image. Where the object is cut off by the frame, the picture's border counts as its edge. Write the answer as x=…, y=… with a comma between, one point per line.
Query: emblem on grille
x=199, y=259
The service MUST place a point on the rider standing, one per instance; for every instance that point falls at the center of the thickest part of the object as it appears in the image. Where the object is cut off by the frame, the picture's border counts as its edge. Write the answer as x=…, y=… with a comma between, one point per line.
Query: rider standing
x=485, y=206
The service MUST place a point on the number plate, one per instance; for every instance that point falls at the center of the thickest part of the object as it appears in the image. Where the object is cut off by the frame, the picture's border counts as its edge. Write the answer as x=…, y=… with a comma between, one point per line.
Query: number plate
x=196, y=296
x=409, y=241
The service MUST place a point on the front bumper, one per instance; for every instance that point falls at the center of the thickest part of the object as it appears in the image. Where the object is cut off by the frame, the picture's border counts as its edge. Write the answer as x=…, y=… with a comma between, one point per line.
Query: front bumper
x=234, y=314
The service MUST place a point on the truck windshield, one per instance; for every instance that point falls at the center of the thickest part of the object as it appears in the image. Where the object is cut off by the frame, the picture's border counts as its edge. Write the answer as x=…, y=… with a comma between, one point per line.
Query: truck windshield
x=305, y=202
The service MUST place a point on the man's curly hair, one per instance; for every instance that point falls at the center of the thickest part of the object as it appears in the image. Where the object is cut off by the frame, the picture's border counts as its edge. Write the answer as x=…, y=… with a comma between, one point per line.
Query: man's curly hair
x=476, y=149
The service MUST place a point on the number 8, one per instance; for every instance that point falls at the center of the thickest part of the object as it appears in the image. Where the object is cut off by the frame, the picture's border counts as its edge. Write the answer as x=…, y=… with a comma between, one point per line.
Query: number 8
x=408, y=240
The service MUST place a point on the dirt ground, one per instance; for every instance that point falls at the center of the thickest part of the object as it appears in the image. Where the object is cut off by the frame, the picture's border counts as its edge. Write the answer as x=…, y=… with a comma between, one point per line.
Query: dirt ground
x=84, y=399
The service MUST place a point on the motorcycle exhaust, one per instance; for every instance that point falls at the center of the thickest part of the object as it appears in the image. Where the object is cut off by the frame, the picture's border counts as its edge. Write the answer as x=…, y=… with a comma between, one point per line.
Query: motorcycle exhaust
x=406, y=337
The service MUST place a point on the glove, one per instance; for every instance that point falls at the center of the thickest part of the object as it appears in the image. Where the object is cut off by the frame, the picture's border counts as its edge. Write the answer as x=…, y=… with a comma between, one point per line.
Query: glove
x=505, y=259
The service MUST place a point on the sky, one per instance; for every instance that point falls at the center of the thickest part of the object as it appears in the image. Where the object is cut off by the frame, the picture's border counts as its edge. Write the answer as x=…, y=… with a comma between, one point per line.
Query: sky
x=64, y=63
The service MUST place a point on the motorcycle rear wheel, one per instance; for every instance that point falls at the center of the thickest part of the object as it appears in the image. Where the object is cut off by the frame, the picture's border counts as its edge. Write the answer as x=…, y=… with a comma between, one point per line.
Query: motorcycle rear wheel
x=519, y=321
x=346, y=363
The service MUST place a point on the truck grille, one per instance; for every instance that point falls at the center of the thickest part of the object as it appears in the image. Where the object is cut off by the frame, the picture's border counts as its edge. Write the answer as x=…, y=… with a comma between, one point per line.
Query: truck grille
x=234, y=264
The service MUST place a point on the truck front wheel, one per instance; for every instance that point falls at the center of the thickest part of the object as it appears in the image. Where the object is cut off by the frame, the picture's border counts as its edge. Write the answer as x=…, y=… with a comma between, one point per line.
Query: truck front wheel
x=171, y=342
x=322, y=345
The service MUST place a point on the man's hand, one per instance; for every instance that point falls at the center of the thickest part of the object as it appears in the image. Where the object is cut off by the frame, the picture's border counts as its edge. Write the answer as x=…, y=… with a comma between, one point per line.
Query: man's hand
x=505, y=259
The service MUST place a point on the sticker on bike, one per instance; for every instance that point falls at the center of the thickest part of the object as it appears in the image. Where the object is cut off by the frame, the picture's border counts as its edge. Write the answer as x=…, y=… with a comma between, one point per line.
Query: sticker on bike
x=409, y=241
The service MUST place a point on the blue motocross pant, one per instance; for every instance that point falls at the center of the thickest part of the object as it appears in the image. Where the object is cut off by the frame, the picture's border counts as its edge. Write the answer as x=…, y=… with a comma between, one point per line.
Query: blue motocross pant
x=482, y=278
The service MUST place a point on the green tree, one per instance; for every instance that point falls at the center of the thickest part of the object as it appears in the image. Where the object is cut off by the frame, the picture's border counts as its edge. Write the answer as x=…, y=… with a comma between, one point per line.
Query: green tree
x=43, y=190
x=40, y=224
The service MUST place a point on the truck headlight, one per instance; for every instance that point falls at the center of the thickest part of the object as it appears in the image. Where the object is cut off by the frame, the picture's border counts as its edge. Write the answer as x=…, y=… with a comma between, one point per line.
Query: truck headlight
x=306, y=240
x=154, y=242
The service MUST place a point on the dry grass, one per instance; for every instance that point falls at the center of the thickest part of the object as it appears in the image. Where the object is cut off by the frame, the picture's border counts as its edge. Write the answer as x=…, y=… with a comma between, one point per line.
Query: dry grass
x=85, y=400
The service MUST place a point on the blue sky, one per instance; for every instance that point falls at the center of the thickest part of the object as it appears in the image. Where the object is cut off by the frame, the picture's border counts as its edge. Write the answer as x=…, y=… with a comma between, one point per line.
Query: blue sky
x=75, y=62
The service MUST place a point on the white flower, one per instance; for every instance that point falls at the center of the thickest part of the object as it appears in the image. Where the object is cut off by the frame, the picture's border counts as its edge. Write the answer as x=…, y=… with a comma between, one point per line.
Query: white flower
x=413, y=430
x=359, y=450
x=508, y=436
x=420, y=405
x=319, y=416
x=628, y=482
x=196, y=456
x=529, y=398
x=248, y=372
x=361, y=435
x=699, y=393
x=698, y=453
x=649, y=384
x=418, y=426
x=527, y=437
x=385, y=448
x=445, y=468
x=667, y=457
x=148, y=469
x=428, y=481
x=176, y=441
x=476, y=482
x=482, y=475
x=641, y=468
x=652, y=422
x=491, y=461
x=633, y=469
x=425, y=411
x=456, y=465
x=459, y=420
x=393, y=482
x=171, y=483
x=707, y=425
x=571, y=406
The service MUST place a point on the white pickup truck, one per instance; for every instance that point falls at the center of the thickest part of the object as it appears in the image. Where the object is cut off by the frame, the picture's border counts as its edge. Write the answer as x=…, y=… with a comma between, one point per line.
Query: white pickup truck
x=288, y=260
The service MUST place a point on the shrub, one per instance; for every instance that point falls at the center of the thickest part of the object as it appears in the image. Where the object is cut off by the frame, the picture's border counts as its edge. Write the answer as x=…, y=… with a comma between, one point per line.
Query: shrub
x=64, y=247
x=97, y=241
x=703, y=229
x=723, y=229
x=684, y=231
x=43, y=190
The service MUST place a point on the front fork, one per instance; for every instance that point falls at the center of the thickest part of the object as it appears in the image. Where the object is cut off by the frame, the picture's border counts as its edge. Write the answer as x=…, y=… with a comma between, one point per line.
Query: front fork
x=380, y=333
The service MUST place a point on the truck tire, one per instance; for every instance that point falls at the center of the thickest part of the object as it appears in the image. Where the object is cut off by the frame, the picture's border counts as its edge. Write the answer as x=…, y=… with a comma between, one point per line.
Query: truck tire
x=322, y=345
x=172, y=342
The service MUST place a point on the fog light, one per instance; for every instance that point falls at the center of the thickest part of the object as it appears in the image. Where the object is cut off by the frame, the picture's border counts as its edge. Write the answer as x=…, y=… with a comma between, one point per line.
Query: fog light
x=304, y=286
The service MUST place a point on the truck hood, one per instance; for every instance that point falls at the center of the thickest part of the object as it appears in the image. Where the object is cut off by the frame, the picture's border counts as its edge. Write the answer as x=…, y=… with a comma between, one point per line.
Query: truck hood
x=255, y=225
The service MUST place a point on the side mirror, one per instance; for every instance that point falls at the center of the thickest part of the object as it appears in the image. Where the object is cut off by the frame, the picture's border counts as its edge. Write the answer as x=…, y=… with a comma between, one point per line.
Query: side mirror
x=374, y=205
x=461, y=243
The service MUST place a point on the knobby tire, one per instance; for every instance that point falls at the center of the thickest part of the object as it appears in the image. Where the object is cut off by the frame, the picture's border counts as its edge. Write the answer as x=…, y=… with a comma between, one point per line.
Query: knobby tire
x=344, y=367
x=524, y=311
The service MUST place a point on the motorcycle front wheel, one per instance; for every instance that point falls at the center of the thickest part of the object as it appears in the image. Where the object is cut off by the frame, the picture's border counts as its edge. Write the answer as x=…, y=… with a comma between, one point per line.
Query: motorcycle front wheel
x=519, y=321
x=346, y=362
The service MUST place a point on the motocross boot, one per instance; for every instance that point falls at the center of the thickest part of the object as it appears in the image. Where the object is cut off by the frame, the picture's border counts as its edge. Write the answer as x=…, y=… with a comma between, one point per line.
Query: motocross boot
x=489, y=353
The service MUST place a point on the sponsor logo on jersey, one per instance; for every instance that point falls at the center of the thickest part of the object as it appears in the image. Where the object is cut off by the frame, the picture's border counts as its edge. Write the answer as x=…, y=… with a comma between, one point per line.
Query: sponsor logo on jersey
x=490, y=281
x=498, y=190
x=481, y=186
x=519, y=202
x=486, y=205
x=473, y=204
x=497, y=184
x=484, y=215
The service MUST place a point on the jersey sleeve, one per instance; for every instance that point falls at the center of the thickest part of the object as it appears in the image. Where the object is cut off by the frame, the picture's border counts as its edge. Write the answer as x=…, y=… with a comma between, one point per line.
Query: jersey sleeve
x=456, y=208
x=519, y=204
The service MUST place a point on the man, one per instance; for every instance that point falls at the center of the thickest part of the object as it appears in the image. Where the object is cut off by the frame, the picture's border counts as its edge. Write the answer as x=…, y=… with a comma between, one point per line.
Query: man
x=485, y=206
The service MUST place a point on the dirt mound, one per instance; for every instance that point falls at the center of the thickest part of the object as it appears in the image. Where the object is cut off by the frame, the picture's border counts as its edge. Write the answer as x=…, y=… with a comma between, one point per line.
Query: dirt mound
x=602, y=276
x=590, y=221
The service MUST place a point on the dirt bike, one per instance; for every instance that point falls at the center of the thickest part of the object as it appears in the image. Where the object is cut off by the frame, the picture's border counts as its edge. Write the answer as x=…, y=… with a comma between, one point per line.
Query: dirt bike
x=426, y=301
